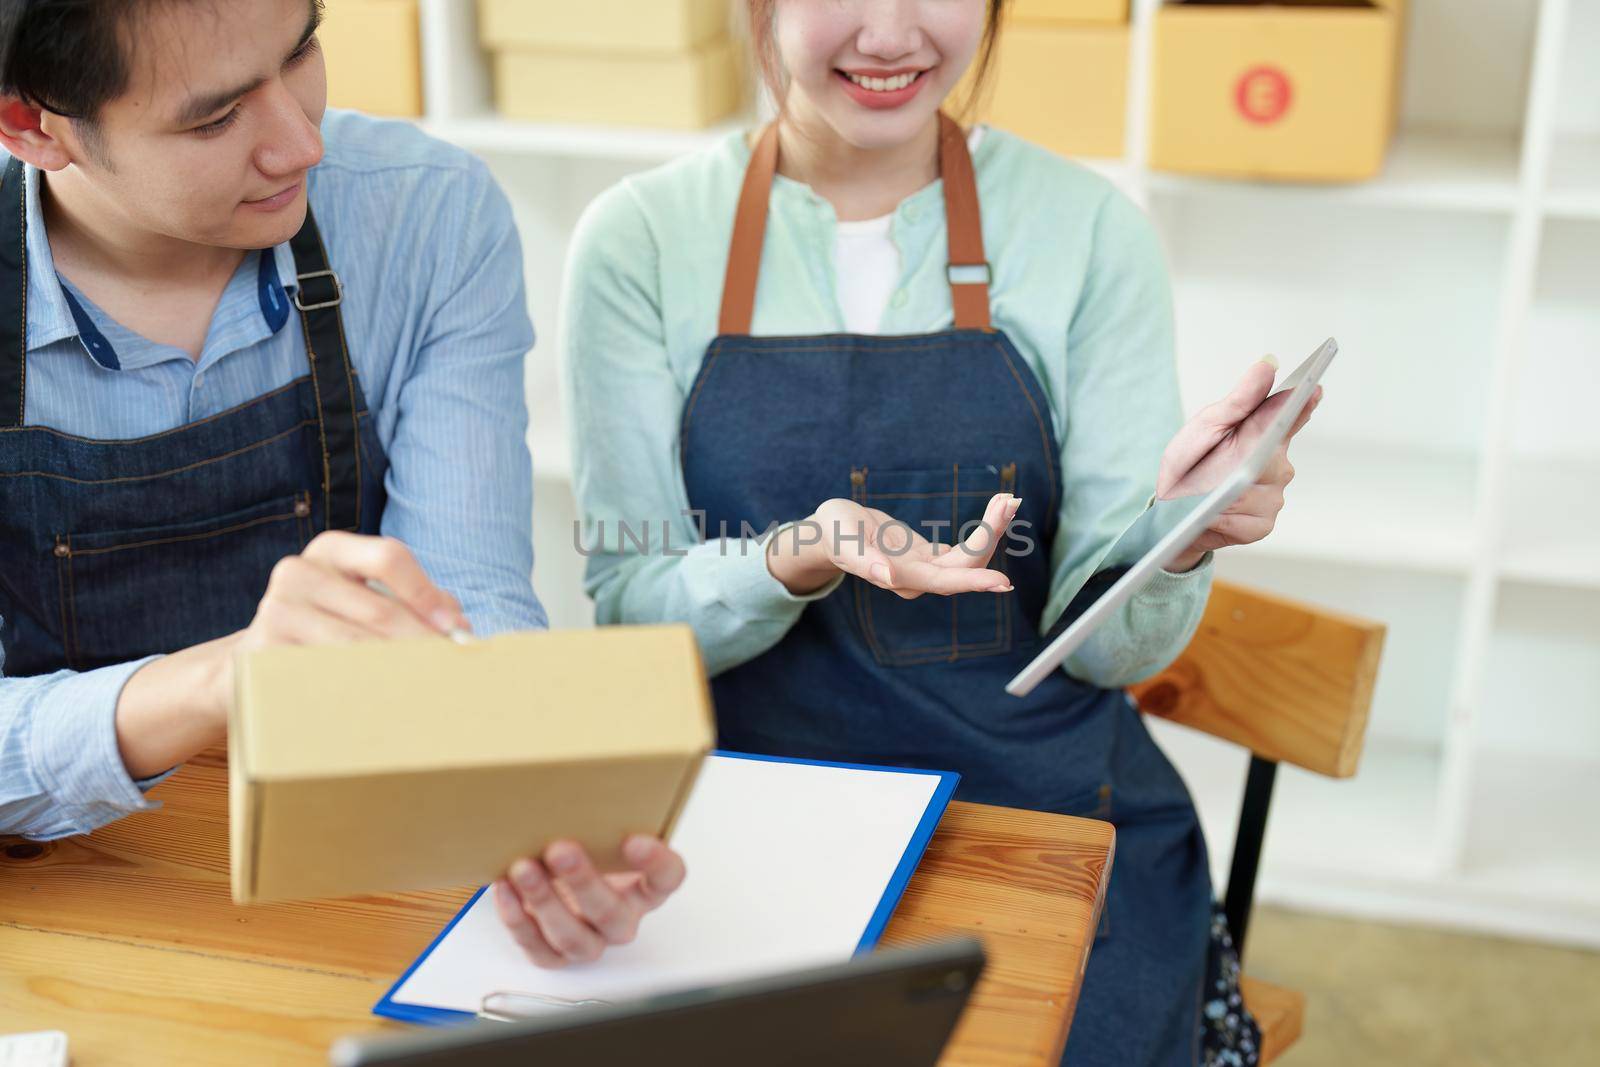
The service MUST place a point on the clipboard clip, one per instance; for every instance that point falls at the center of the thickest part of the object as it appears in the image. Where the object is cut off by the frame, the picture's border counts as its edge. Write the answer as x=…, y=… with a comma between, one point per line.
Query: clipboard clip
x=509, y=1006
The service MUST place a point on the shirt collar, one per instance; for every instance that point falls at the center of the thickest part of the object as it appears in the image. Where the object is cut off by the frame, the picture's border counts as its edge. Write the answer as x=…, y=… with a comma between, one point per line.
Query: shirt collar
x=53, y=314
x=49, y=315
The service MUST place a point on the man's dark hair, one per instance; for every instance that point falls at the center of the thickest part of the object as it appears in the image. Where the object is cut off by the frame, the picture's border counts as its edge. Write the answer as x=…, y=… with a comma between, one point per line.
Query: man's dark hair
x=65, y=56
x=69, y=56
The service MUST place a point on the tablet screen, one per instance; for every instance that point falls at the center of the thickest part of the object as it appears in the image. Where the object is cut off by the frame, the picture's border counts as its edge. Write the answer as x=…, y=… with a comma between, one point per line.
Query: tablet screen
x=1176, y=523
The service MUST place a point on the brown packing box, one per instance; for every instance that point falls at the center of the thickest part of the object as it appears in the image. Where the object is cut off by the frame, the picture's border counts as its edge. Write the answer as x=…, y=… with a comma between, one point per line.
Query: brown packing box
x=374, y=56
x=1060, y=86
x=686, y=90
x=1068, y=10
x=603, y=25
x=414, y=764
x=1291, y=90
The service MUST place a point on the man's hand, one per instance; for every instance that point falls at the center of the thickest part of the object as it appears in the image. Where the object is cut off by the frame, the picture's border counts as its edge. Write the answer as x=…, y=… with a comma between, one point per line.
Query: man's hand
x=176, y=706
x=561, y=910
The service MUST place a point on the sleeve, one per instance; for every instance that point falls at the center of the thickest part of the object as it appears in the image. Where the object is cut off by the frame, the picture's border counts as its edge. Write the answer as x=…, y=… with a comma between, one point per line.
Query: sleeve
x=1121, y=409
x=460, y=479
x=61, y=772
x=646, y=559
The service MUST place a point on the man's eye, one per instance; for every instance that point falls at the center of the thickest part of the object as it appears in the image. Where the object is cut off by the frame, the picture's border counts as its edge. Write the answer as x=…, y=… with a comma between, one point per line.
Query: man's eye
x=299, y=54
x=220, y=124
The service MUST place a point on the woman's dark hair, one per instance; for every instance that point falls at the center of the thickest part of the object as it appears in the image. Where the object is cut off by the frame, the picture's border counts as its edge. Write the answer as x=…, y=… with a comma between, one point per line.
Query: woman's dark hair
x=771, y=67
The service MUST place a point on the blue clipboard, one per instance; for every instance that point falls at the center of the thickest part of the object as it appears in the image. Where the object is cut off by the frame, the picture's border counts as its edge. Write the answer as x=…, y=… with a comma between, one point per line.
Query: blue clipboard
x=942, y=793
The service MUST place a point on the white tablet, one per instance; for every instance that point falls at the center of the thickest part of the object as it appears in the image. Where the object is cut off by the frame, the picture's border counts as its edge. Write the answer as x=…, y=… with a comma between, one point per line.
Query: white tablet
x=1301, y=384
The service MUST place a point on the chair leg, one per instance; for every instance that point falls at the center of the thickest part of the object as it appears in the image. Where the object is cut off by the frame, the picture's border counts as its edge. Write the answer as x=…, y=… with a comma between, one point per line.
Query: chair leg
x=1247, y=847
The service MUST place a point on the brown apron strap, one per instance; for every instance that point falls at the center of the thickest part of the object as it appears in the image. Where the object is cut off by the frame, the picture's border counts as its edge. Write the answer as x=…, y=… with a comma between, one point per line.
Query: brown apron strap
x=968, y=270
x=749, y=231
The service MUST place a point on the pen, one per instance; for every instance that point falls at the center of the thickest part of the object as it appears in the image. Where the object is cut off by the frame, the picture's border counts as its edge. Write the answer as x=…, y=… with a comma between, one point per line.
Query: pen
x=456, y=633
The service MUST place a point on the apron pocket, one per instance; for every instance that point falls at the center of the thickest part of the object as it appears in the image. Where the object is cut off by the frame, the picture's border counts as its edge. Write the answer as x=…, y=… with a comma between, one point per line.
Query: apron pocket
x=936, y=504
x=133, y=593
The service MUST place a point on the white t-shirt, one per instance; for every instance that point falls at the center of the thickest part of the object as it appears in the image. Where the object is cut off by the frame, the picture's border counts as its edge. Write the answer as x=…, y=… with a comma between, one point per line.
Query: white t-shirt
x=866, y=265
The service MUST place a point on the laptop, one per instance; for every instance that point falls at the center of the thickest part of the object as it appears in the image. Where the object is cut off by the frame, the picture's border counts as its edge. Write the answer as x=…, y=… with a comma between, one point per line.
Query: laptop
x=893, y=1008
x=1300, y=386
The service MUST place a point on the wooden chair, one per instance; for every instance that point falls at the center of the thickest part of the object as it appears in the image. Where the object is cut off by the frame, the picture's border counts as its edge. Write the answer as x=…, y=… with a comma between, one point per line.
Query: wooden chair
x=1291, y=683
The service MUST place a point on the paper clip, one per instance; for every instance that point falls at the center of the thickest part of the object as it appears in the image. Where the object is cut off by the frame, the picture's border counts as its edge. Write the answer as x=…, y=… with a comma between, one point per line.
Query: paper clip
x=508, y=1006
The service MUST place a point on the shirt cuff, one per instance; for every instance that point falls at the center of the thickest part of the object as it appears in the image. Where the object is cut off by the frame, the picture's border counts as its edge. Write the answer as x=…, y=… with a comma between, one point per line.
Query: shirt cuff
x=752, y=587
x=75, y=749
x=1167, y=586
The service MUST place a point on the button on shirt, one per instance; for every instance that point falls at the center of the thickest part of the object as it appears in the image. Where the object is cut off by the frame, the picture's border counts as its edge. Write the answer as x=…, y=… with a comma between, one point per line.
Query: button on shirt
x=436, y=317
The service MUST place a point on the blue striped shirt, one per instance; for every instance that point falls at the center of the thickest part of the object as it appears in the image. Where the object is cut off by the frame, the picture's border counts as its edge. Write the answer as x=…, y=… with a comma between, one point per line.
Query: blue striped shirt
x=437, y=321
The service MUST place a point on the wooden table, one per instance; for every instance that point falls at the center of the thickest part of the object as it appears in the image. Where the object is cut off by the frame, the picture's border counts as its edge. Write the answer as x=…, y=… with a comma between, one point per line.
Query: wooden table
x=127, y=940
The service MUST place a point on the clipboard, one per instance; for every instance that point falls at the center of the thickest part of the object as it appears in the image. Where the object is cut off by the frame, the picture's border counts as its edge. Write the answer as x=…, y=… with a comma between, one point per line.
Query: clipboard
x=940, y=785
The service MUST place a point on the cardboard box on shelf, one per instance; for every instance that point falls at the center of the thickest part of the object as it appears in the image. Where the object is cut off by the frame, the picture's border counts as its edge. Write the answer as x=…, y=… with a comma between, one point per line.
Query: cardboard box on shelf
x=382, y=766
x=1293, y=90
x=603, y=25
x=687, y=90
x=1063, y=87
x=373, y=50
x=1076, y=11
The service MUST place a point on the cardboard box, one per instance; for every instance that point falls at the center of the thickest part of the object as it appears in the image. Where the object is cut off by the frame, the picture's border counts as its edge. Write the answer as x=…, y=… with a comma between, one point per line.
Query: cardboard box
x=603, y=25
x=1295, y=91
x=686, y=90
x=1063, y=87
x=373, y=50
x=1076, y=11
x=383, y=766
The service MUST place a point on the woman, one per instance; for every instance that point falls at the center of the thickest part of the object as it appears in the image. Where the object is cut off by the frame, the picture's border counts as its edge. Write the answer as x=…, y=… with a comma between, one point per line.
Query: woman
x=814, y=327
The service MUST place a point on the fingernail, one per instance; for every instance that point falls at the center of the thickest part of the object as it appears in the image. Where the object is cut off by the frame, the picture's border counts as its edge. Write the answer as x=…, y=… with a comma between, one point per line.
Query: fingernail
x=564, y=859
x=880, y=572
x=638, y=850
x=525, y=874
x=1000, y=588
x=1270, y=360
x=444, y=620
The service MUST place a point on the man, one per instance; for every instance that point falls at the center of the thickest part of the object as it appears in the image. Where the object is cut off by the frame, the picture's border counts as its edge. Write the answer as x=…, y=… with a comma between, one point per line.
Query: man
x=238, y=342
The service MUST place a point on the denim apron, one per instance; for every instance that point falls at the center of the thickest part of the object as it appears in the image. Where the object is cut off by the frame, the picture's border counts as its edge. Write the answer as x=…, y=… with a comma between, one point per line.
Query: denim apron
x=115, y=550
x=927, y=428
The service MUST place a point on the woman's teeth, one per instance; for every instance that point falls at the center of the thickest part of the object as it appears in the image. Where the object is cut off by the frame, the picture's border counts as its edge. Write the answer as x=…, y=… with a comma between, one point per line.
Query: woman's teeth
x=884, y=85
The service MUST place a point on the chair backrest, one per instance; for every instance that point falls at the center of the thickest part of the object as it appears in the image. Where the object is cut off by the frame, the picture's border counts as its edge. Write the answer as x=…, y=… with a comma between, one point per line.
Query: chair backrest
x=1291, y=682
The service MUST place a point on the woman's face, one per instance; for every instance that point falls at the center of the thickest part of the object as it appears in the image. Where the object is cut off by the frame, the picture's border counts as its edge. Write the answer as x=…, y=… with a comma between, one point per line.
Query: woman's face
x=875, y=71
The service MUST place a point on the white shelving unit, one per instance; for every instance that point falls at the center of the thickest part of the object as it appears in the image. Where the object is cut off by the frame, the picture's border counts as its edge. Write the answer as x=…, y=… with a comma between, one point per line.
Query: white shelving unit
x=1450, y=486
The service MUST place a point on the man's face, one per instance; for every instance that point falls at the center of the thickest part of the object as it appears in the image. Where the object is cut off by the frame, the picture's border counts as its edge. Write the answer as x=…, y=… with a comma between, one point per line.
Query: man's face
x=212, y=140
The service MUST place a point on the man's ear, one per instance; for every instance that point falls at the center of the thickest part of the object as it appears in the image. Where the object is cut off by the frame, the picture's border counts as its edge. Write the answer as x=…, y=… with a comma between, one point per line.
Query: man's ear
x=23, y=135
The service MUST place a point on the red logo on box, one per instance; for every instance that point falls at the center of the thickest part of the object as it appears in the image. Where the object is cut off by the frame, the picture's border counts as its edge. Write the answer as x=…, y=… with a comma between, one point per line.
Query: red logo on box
x=1263, y=94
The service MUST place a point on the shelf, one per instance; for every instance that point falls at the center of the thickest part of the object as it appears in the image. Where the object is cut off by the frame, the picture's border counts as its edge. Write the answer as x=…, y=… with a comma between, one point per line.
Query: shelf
x=491, y=134
x=1552, y=513
x=1533, y=834
x=1380, y=823
x=1574, y=185
x=1427, y=168
x=1365, y=847
x=1373, y=505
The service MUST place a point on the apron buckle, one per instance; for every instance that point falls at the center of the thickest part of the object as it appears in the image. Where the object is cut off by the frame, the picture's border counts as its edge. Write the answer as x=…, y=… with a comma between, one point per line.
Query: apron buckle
x=969, y=273
x=334, y=300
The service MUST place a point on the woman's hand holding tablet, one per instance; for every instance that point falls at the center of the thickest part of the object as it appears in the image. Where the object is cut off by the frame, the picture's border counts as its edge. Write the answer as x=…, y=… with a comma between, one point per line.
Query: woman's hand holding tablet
x=1214, y=443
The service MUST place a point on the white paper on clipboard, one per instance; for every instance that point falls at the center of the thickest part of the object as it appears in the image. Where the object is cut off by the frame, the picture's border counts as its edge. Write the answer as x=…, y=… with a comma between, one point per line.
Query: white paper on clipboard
x=791, y=864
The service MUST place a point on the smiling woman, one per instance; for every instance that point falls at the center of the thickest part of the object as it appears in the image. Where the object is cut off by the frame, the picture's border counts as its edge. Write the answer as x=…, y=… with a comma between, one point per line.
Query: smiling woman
x=763, y=14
